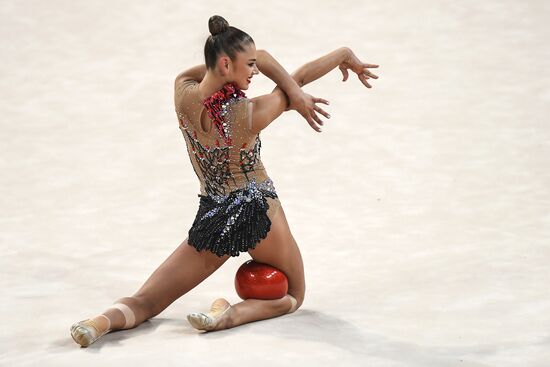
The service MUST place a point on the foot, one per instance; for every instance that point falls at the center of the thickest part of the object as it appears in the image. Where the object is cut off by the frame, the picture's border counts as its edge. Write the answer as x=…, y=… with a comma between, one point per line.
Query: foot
x=86, y=332
x=293, y=303
x=217, y=319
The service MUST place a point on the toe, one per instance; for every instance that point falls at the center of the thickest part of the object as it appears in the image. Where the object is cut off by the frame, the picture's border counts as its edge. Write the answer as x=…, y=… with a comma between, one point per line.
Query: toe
x=199, y=320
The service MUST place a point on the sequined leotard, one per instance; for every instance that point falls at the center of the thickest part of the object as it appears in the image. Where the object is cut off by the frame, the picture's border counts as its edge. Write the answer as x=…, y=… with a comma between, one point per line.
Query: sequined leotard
x=237, y=197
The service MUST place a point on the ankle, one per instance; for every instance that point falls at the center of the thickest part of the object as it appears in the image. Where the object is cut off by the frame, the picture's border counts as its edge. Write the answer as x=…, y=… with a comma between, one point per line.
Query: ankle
x=121, y=315
x=228, y=319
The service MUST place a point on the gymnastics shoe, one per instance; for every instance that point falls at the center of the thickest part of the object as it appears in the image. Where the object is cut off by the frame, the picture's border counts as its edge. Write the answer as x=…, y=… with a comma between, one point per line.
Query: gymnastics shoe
x=86, y=332
x=210, y=320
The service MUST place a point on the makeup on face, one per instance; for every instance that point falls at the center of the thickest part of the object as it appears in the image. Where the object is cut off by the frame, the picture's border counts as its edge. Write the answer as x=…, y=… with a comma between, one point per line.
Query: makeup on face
x=245, y=67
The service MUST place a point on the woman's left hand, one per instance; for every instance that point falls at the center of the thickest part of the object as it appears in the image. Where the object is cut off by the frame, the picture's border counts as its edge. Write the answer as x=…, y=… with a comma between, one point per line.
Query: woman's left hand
x=358, y=67
x=305, y=105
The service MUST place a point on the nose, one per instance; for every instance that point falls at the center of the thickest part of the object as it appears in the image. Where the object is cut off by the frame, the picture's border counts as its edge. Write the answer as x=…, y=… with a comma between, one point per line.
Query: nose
x=255, y=71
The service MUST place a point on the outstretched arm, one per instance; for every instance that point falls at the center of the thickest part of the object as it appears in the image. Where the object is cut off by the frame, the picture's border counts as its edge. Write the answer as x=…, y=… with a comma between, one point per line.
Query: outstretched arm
x=268, y=107
x=315, y=69
x=342, y=57
x=274, y=71
x=266, y=64
x=294, y=97
x=290, y=91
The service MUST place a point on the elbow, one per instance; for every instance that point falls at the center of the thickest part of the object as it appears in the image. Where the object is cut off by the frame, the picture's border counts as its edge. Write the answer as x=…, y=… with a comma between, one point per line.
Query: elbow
x=261, y=53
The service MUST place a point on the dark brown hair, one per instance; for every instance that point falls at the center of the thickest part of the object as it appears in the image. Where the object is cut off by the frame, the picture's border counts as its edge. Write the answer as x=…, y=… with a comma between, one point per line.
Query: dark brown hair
x=223, y=39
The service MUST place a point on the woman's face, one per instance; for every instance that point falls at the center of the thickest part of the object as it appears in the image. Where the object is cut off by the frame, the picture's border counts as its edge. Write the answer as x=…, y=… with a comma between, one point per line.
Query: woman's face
x=244, y=67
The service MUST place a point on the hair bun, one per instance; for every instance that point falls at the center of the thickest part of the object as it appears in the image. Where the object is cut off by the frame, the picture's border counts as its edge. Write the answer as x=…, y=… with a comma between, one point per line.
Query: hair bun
x=217, y=24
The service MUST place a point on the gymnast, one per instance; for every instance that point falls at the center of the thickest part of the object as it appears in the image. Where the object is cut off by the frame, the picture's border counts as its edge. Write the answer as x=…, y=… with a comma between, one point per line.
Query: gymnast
x=239, y=209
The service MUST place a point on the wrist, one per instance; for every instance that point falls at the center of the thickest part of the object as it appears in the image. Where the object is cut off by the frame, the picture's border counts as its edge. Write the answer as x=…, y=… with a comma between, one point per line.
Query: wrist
x=346, y=52
x=294, y=93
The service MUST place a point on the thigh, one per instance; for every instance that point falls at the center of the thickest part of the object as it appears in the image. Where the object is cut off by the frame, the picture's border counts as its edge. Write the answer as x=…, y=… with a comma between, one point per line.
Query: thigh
x=279, y=249
x=183, y=270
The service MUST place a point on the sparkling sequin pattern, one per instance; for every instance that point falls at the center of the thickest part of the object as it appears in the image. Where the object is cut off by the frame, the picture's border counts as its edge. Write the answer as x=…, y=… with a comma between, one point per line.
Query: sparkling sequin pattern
x=234, y=211
x=234, y=223
x=249, y=158
x=218, y=106
x=213, y=163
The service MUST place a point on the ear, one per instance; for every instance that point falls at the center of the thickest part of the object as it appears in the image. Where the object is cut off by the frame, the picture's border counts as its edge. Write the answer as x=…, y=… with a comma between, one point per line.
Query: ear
x=223, y=65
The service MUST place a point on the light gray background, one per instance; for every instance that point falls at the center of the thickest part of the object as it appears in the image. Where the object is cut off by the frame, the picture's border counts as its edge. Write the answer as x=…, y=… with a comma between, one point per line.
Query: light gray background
x=422, y=210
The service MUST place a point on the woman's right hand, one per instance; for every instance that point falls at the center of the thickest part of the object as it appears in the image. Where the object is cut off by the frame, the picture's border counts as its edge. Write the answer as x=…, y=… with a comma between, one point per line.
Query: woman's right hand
x=305, y=105
x=358, y=67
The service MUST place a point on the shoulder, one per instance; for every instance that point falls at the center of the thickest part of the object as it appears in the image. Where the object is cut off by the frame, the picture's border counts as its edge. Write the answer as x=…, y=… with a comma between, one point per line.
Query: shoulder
x=182, y=83
x=185, y=90
x=264, y=109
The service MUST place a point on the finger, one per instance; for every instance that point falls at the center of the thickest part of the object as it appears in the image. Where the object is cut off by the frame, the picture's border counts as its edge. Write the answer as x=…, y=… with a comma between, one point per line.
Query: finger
x=370, y=65
x=321, y=100
x=367, y=72
x=345, y=73
x=312, y=124
x=321, y=111
x=364, y=81
x=316, y=118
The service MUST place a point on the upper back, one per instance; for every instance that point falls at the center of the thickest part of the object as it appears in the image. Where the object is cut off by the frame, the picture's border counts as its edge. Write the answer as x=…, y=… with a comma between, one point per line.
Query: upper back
x=224, y=151
x=229, y=105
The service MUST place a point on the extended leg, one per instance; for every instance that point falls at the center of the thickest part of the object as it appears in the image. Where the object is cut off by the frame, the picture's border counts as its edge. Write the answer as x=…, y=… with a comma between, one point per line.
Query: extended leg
x=183, y=270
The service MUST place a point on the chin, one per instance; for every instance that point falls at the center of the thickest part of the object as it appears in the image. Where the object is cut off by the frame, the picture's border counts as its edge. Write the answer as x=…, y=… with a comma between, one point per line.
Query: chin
x=241, y=84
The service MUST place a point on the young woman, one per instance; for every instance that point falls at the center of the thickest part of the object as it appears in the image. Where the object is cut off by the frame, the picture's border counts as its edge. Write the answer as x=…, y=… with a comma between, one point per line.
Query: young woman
x=239, y=209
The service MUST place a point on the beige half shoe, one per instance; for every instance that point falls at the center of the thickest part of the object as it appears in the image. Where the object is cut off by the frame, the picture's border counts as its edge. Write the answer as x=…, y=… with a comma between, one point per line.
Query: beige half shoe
x=209, y=321
x=85, y=332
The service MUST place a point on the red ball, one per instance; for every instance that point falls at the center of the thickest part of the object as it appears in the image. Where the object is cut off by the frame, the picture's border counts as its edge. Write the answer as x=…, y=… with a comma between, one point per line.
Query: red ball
x=260, y=281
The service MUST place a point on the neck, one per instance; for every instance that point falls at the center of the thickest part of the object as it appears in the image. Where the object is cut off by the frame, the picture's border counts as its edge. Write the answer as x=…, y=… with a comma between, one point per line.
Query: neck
x=210, y=85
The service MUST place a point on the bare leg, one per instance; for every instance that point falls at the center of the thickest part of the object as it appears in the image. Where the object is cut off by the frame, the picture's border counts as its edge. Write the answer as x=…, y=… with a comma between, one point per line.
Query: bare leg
x=224, y=316
x=280, y=250
x=183, y=270
x=259, y=309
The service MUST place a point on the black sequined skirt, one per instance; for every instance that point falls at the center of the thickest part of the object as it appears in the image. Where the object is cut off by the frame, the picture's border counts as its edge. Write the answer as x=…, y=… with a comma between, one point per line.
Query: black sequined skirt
x=234, y=223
